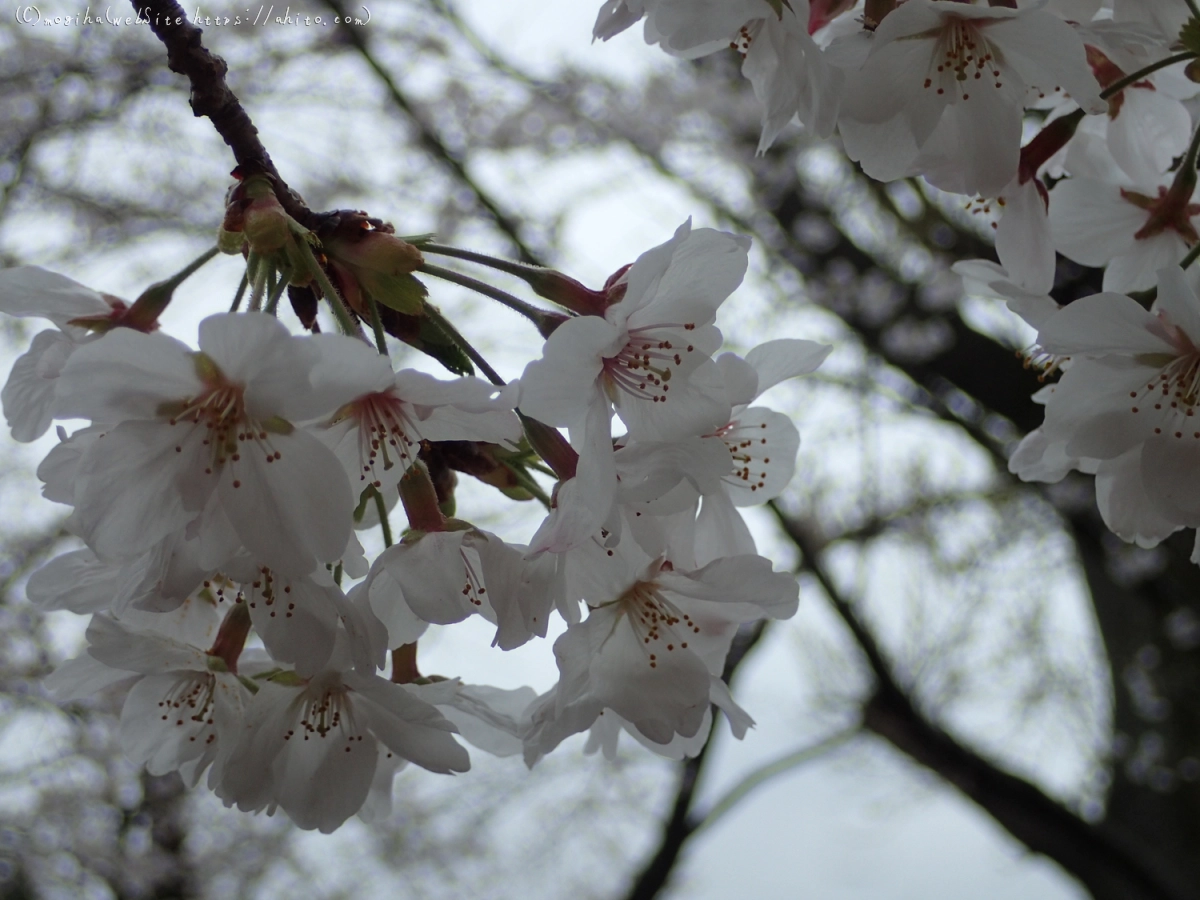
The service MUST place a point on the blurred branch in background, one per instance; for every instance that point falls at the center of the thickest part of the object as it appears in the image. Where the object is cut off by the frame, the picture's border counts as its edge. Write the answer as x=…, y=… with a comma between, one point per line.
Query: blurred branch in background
x=979, y=567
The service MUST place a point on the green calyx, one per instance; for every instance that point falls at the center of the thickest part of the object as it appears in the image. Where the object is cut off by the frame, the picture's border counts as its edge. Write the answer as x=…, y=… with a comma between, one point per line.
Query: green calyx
x=1189, y=35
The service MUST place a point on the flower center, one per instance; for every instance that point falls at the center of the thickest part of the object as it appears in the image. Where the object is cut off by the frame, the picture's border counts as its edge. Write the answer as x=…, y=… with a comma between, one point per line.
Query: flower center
x=1173, y=394
x=742, y=441
x=190, y=699
x=655, y=620
x=643, y=367
x=1168, y=211
x=961, y=57
x=273, y=595
x=326, y=711
x=220, y=410
x=387, y=434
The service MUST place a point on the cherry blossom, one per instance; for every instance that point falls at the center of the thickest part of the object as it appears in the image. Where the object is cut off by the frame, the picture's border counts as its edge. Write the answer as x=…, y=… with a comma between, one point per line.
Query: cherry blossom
x=377, y=434
x=444, y=577
x=786, y=68
x=1133, y=232
x=649, y=358
x=943, y=86
x=654, y=642
x=311, y=746
x=185, y=705
x=1126, y=406
x=28, y=395
x=206, y=441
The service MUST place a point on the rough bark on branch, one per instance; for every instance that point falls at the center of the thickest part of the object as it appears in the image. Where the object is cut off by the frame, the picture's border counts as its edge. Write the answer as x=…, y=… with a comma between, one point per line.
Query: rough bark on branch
x=211, y=96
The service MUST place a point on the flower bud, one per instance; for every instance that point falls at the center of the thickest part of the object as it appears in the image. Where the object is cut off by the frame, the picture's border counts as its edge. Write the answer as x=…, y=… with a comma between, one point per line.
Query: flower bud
x=381, y=263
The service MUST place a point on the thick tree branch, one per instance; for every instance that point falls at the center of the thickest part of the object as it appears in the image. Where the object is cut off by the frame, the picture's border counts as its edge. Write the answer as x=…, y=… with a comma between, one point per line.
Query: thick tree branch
x=1110, y=867
x=682, y=823
x=211, y=96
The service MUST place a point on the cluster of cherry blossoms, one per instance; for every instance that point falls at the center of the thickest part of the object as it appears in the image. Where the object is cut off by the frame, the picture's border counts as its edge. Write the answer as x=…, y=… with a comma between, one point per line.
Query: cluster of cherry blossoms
x=1072, y=125
x=219, y=491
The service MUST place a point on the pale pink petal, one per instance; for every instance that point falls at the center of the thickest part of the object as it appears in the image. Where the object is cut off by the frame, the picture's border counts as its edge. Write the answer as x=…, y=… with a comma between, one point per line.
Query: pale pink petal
x=295, y=617
x=1149, y=132
x=662, y=697
x=130, y=651
x=387, y=603
x=291, y=512
x=28, y=395
x=1102, y=324
x=556, y=388
x=741, y=379
x=1138, y=269
x=1090, y=221
x=167, y=720
x=615, y=16
x=886, y=150
x=126, y=375
x=33, y=291
x=1047, y=53
x=440, y=576
x=323, y=781
x=488, y=717
x=763, y=444
x=743, y=587
x=75, y=581
x=1128, y=510
x=83, y=676
x=976, y=145
x=410, y=727
x=130, y=490
x=696, y=404
x=345, y=368
x=1023, y=240
x=721, y=530
x=257, y=351
x=1169, y=473
x=1178, y=301
x=785, y=358
x=705, y=268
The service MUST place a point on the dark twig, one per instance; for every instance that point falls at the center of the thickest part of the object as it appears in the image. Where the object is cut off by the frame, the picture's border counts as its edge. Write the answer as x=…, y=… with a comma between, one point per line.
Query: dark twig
x=682, y=823
x=212, y=97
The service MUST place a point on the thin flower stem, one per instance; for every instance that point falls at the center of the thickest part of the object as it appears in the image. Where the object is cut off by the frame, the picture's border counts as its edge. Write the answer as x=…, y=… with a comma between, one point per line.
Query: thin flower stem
x=254, y=264
x=384, y=524
x=336, y=305
x=1192, y=5
x=492, y=262
x=442, y=322
x=537, y=466
x=1189, y=161
x=528, y=310
x=1190, y=258
x=266, y=287
x=273, y=301
x=377, y=326
x=241, y=292
x=525, y=481
x=155, y=298
x=1117, y=86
